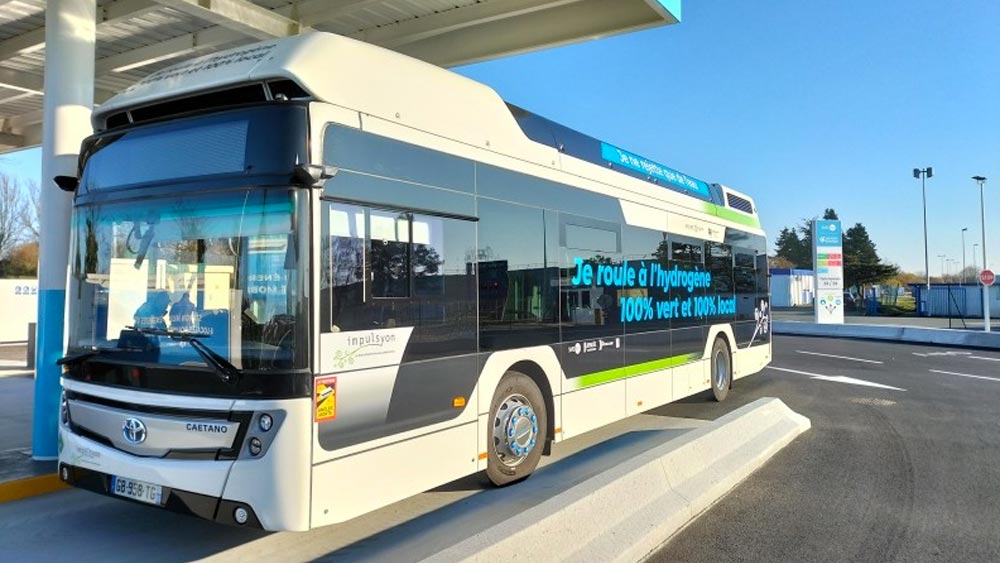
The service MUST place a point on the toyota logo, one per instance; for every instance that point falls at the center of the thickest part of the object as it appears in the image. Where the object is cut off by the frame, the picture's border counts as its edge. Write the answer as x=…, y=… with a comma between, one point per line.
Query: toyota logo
x=134, y=431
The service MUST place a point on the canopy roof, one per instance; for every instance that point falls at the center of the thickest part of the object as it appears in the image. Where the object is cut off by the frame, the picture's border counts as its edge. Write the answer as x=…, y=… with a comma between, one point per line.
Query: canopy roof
x=138, y=37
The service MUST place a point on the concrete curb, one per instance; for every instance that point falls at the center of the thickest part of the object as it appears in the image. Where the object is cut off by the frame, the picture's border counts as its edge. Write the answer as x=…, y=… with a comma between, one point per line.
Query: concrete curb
x=30, y=487
x=625, y=513
x=917, y=335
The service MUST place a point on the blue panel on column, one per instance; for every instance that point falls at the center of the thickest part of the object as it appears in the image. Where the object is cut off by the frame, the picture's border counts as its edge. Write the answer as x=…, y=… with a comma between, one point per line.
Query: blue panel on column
x=47, y=373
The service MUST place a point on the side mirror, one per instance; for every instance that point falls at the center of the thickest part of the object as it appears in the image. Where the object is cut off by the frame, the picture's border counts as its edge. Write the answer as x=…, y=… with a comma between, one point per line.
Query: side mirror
x=313, y=175
x=67, y=183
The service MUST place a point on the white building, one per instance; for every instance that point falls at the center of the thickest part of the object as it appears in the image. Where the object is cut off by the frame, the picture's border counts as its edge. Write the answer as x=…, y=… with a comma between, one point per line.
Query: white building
x=792, y=287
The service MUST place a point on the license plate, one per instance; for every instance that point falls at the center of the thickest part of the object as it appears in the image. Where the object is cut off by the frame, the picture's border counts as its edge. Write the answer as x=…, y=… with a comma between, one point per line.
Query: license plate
x=136, y=490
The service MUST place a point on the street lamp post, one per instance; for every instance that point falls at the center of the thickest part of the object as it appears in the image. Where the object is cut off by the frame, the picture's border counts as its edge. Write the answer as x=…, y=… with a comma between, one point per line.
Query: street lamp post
x=923, y=174
x=982, y=213
x=963, y=253
x=942, y=257
x=975, y=245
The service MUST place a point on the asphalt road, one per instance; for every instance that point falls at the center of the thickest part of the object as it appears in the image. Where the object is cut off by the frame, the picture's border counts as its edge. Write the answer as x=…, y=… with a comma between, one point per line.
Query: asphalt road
x=904, y=474
x=901, y=464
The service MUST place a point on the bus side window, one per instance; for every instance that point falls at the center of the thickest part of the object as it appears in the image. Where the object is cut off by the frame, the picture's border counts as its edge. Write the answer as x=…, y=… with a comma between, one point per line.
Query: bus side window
x=342, y=275
x=744, y=271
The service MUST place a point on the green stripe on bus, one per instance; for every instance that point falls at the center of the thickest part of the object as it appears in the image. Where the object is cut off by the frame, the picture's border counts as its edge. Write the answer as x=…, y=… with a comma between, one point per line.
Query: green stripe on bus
x=599, y=377
x=734, y=216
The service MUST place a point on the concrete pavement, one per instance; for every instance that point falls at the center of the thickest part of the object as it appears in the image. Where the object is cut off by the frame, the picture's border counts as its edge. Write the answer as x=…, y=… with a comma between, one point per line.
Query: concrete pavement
x=901, y=463
x=921, y=330
x=20, y=476
x=801, y=314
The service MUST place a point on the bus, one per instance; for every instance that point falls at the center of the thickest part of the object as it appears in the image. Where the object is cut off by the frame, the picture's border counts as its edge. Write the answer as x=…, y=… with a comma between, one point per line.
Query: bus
x=311, y=277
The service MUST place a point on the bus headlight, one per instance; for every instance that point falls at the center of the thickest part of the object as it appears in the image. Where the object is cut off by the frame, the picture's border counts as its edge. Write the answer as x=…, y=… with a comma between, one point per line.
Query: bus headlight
x=265, y=422
x=255, y=446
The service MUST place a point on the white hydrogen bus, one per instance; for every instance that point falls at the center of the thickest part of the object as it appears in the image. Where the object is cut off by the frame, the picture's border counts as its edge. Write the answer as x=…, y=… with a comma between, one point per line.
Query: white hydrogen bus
x=311, y=277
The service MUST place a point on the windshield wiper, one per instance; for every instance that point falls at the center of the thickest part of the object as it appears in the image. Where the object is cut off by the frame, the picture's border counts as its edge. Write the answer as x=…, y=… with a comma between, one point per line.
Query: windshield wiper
x=227, y=371
x=86, y=354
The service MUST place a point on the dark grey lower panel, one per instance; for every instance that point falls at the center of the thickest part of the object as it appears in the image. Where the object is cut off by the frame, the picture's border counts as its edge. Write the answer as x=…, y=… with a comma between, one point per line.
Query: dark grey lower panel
x=687, y=341
x=647, y=347
x=744, y=332
x=422, y=394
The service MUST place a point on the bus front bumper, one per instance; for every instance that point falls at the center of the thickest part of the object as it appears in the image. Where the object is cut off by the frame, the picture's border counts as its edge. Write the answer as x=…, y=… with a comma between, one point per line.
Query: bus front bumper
x=208, y=507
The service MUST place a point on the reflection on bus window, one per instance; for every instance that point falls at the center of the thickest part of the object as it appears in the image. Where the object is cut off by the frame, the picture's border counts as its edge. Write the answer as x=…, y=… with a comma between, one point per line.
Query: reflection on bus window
x=391, y=269
x=222, y=268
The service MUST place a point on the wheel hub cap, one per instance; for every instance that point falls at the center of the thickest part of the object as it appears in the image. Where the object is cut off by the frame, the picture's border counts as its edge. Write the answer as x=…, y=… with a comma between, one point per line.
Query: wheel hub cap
x=721, y=370
x=515, y=430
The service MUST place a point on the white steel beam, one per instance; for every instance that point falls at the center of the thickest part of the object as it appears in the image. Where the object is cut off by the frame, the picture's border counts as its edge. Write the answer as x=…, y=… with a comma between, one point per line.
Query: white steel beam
x=239, y=15
x=19, y=122
x=560, y=25
x=35, y=39
x=23, y=81
x=11, y=139
x=34, y=83
x=417, y=29
x=183, y=45
x=24, y=43
x=123, y=10
x=31, y=135
x=312, y=12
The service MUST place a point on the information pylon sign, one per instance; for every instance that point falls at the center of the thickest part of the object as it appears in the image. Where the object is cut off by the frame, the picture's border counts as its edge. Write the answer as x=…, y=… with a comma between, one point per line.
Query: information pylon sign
x=828, y=264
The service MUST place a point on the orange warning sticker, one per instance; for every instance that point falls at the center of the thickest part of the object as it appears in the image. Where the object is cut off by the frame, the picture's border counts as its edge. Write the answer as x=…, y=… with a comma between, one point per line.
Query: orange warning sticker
x=326, y=398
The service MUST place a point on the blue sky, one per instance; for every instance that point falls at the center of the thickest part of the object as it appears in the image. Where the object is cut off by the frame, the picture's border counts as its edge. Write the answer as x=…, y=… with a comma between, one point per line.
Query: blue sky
x=802, y=104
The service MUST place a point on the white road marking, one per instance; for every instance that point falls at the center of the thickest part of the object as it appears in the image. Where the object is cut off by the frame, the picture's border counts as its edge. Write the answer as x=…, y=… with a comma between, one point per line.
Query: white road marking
x=948, y=353
x=965, y=375
x=838, y=357
x=838, y=379
x=871, y=401
x=985, y=358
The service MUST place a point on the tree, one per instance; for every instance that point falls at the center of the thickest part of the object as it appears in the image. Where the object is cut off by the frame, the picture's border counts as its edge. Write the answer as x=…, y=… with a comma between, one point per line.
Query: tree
x=28, y=213
x=11, y=210
x=829, y=214
x=779, y=262
x=862, y=265
x=791, y=248
x=970, y=274
x=904, y=279
x=22, y=261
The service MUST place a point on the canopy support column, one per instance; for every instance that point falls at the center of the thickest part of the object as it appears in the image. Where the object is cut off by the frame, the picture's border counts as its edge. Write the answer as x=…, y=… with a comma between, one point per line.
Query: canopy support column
x=70, y=38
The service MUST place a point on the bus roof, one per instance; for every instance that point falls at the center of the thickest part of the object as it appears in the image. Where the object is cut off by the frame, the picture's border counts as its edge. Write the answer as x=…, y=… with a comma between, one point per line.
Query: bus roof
x=388, y=85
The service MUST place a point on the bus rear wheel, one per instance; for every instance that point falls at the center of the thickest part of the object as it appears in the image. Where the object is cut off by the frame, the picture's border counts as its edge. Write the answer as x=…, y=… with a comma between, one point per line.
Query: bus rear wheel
x=518, y=423
x=722, y=369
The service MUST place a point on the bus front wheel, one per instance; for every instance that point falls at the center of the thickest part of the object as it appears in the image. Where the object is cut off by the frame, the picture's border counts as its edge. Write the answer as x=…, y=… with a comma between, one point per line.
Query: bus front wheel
x=722, y=370
x=518, y=429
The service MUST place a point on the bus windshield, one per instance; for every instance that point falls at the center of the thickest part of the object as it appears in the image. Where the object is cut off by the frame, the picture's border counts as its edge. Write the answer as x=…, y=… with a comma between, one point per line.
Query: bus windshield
x=221, y=267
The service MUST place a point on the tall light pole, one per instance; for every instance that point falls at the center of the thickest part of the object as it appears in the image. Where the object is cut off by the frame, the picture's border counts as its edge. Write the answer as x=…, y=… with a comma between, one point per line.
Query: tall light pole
x=942, y=257
x=975, y=245
x=963, y=253
x=981, y=180
x=923, y=174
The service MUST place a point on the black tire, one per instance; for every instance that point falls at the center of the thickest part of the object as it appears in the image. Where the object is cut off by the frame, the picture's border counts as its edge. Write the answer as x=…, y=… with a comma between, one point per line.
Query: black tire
x=722, y=369
x=515, y=393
